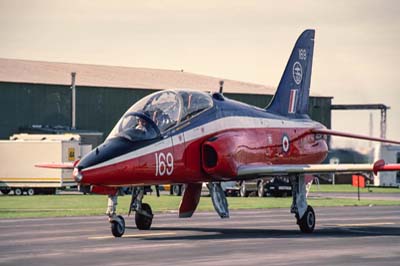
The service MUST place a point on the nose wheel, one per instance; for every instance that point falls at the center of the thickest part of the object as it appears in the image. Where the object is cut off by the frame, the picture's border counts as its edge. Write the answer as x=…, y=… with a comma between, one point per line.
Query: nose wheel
x=118, y=226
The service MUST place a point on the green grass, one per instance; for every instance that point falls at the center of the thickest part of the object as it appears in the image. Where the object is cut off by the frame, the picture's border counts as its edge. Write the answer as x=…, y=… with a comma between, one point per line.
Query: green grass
x=350, y=188
x=81, y=205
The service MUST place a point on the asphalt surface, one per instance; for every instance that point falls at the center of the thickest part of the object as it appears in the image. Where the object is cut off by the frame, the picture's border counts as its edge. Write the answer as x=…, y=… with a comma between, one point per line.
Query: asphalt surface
x=344, y=236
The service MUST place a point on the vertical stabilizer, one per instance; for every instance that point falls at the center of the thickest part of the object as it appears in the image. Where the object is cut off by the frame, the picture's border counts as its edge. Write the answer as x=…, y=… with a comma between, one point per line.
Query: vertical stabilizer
x=291, y=97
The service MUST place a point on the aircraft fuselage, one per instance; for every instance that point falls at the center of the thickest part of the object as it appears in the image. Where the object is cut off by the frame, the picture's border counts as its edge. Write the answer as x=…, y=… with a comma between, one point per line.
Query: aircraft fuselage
x=208, y=146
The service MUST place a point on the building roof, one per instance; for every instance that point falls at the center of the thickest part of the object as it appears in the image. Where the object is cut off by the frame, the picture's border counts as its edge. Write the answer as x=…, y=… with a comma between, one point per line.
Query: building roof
x=27, y=71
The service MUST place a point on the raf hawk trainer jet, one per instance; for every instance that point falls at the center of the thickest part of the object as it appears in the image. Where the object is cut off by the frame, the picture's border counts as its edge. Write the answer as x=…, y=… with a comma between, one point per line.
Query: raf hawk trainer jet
x=191, y=137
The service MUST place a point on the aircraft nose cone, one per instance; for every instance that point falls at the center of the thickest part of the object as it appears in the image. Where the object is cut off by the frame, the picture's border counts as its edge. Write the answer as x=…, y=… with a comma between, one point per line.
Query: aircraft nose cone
x=76, y=173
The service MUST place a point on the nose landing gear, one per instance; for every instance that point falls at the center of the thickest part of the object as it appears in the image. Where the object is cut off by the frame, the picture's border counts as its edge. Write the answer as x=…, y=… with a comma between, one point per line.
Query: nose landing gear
x=117, y=221
x=143, y=213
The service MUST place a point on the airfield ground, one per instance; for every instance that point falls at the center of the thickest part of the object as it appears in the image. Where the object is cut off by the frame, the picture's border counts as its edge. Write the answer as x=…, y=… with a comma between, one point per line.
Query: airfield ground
x=86, y=205
x=344, y=236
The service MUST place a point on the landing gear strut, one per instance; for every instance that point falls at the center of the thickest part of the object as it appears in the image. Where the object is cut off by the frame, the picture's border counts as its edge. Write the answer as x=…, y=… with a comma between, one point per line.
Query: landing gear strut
x=304, y=213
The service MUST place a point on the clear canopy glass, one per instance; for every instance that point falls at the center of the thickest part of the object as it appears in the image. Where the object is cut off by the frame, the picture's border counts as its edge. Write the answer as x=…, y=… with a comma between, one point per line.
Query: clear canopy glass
x=159, y=112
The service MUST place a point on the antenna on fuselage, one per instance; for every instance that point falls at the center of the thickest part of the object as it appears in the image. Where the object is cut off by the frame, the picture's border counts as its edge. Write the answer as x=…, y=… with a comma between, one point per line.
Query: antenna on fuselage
x=221, y=86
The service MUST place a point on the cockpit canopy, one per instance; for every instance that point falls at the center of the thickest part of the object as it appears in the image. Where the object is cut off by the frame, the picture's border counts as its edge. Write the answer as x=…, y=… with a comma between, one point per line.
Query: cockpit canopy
x=159, y=112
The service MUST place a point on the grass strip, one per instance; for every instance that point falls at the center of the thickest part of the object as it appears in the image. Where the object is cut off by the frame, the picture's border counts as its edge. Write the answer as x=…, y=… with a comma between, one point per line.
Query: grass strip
x=349, y=188
x=84, y=205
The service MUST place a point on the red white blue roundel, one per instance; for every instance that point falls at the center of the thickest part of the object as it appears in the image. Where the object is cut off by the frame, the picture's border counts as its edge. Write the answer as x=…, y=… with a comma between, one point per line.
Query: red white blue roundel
x=285, y=143
x=297, y=72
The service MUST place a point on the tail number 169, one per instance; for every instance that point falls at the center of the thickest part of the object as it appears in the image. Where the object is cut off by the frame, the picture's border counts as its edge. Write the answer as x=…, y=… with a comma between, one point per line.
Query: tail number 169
x=164, y=163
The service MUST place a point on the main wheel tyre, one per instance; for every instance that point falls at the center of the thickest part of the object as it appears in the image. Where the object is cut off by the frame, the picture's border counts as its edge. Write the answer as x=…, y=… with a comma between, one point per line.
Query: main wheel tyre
x=118, y=226
x=143, y=222
x=18, y=192
x=177, y=190
x=307, y=222
x=243, y=190
x=260, y=189
x=30, y=192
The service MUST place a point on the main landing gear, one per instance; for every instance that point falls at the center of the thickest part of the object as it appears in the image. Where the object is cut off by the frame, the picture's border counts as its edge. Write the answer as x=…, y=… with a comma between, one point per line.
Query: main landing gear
x=304, y=213
x=143, y=213
x=218, y=199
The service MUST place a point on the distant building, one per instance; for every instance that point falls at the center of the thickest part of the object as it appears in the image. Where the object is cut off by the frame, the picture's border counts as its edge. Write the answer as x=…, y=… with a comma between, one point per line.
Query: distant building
x=38, y=93
x=343, y=156
x=390, y=154
x=346, y=156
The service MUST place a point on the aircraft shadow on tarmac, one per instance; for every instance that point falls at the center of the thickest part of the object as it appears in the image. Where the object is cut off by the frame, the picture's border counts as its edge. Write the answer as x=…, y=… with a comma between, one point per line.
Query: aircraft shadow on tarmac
x=191, y=233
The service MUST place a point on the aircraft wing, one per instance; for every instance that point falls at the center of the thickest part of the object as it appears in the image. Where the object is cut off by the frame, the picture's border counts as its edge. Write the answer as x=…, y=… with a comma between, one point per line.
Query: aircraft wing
x=56, y=165
x=290, y=169
x=349, y=135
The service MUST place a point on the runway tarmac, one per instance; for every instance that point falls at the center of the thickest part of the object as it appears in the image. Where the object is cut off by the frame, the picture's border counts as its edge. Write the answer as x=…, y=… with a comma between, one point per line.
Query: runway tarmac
x=344, y=236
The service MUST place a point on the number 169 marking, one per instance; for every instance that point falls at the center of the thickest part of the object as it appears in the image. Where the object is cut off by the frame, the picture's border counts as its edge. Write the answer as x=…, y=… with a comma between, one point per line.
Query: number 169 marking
x=302, y=54
x=164, y=163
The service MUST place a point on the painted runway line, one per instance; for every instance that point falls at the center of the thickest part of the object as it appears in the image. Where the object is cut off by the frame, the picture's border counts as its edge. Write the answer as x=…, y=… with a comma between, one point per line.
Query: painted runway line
x=363, y=224
x=132, y=236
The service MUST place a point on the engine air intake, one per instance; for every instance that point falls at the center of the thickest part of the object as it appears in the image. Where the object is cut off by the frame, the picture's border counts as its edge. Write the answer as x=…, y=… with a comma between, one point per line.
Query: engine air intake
x=210, y=156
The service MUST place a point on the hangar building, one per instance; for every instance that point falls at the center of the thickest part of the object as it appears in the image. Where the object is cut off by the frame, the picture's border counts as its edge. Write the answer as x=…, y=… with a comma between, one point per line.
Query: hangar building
x=36, y=93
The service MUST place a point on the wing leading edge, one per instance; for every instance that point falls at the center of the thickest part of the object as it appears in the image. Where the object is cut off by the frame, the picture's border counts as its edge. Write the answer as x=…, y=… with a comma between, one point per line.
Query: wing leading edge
x=69, y=165
x=293, y=169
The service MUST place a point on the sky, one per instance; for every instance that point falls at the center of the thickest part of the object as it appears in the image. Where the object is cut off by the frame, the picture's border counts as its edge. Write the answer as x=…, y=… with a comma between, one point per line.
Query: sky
x=356, y=53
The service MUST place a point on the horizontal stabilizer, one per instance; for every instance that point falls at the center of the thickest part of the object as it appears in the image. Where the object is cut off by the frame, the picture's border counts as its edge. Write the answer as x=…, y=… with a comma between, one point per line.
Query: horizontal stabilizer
x=349, y=135
x=380, y=166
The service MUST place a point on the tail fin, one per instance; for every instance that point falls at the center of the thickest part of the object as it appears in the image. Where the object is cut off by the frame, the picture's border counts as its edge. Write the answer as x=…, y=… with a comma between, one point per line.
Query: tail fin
x=291, y=97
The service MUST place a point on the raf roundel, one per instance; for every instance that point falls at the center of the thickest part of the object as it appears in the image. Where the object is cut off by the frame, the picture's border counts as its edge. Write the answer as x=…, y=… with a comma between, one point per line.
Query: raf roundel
x=297, y=73
x=285, y=143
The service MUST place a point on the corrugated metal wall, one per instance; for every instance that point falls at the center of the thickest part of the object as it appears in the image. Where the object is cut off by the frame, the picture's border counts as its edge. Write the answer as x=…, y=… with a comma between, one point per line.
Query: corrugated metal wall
x=32, y=104
x=319, y=108
x=98, y=109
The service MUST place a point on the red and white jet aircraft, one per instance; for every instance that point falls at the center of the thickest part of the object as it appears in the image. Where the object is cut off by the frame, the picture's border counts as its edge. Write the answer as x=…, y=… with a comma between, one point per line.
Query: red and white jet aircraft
x=193, y=137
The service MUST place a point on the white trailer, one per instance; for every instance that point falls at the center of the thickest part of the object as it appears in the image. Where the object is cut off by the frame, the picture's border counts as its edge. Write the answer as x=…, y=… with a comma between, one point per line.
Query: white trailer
x=391, y=154
x=20, y=154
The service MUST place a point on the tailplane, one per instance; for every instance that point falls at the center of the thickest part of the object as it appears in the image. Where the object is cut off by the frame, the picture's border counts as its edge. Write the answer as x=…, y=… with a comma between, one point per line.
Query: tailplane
x=291, y=97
